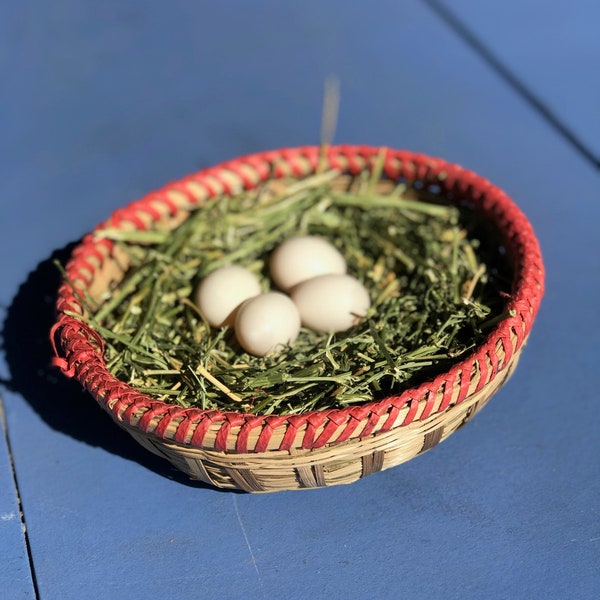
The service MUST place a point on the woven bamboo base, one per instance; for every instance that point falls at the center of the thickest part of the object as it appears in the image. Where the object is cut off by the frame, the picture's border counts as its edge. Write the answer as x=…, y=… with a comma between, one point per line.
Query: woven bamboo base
x=280, y=452
x=334, y=464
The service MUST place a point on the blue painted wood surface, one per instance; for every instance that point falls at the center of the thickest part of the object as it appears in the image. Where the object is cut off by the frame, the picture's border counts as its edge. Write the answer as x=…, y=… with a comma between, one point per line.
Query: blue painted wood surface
x=551, y=48
x=106, y=101
x=15, y=574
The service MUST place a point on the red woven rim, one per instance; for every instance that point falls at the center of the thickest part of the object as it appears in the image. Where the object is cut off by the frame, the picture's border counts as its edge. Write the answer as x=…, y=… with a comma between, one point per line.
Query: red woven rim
x=82, y=348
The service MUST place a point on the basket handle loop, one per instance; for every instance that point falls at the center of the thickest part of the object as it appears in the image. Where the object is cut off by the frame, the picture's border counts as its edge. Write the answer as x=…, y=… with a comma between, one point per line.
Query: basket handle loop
x=58, y=360
x=76, y=327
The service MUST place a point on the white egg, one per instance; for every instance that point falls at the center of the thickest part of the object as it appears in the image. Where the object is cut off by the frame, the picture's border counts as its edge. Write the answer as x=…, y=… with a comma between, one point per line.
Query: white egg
x=301, y=258
x=221, y=292
x=267, y=323
x=331, y=303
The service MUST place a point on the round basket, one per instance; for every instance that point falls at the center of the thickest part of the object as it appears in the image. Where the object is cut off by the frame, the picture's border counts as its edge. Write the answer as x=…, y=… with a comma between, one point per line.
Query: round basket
x=322, y=448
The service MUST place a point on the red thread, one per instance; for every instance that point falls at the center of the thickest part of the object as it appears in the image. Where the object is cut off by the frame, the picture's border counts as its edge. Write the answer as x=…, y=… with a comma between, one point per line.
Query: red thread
x=182, y=187
x=372, y=422
x=222, y=435
x=448, y=384
x=334, y=421
x=482, y=362
x=394, y=411
x=314, y=422
x=206, y=182
x=293, y=424
x=230, y=421
x=413, y=407
x=264, y=438
x=429, y=404
x=203, y=426
x=248, y=425
x=350, y=428
x=493, y=360
x=183, y=428
x=465, y=383
x=163, y=424
x=124, y=403
x=151, y=413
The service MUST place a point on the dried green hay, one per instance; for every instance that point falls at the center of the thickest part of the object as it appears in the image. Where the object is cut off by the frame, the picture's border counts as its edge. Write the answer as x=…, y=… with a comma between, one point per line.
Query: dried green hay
x=436, y=275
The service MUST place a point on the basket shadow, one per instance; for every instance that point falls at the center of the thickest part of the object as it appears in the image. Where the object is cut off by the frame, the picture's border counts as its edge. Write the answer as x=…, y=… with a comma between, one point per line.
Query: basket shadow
x=60, y=402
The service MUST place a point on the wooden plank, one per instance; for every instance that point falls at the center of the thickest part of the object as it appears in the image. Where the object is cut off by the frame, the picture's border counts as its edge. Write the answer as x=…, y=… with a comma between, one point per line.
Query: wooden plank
x=548, y=52
x=16, y=579
x=104, y=103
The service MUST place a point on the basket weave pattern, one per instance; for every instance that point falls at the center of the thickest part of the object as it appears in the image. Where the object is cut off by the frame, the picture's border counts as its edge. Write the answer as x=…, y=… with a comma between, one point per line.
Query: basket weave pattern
x=276, y=452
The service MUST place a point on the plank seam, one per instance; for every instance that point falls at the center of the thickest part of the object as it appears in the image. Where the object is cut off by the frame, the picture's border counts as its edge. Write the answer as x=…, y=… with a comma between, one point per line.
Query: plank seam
x=484, y=52
x=11, y=463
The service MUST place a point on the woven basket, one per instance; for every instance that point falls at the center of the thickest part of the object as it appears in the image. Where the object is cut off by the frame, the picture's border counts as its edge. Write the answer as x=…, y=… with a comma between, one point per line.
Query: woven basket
x=323, y=448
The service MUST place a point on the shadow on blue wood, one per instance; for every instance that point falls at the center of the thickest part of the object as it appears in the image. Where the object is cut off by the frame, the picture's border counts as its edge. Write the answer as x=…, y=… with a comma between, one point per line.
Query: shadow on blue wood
x=61, y=402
